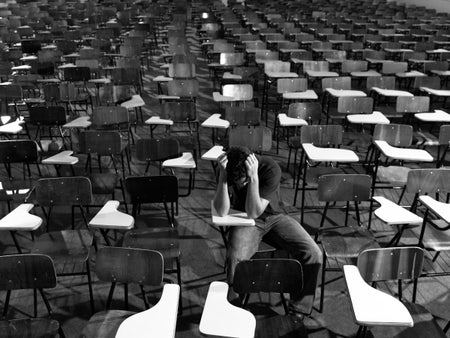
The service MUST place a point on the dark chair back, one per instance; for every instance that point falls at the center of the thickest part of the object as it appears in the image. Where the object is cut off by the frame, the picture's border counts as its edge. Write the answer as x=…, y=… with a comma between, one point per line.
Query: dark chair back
x=47, y=115
x=129, y=265
x=322, y=135
x=27, y=271
x=66, y=191
x=344, y=187
x=268, y=275
x=398, y=135
x=385, y=264
x=101, y=142
x=257, y=138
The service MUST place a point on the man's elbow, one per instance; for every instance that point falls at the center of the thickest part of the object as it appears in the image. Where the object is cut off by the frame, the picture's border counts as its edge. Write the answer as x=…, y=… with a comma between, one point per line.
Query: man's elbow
x=254, y=214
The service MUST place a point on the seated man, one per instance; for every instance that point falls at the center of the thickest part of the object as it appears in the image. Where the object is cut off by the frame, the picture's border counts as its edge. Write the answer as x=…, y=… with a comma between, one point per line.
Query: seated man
x=252, y=184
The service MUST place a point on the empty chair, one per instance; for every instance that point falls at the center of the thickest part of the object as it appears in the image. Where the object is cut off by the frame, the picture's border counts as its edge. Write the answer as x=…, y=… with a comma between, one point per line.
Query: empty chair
x=271, y=275
x=136, y=266
x=343, y=241
x=26, y=272
x=372, y=308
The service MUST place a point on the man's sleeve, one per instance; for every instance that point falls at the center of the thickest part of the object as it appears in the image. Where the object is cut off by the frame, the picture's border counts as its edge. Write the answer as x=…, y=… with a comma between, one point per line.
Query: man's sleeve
x=269, y=181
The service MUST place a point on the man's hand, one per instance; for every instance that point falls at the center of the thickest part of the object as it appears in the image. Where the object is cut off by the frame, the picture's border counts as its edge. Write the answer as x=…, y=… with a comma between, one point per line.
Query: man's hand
x=223, y=161
x=251, y=164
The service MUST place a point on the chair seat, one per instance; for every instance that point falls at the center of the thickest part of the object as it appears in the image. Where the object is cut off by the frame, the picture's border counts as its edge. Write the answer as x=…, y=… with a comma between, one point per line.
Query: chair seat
x=436, y=239
x=105, y=324
x=280, y=326
x=33, y=327
x=103, y=183
x=163, y=239
x=67, y=246
x=424, y=325
x=347, y=242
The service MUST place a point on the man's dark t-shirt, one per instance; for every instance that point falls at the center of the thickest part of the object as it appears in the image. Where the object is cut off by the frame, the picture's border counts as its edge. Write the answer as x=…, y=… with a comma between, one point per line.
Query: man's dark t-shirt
x=269, y=174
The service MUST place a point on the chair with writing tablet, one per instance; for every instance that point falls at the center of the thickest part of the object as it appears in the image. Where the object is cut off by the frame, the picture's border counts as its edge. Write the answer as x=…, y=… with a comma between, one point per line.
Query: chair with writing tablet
x=383, y=314
x=133, y=266
x=272, y=276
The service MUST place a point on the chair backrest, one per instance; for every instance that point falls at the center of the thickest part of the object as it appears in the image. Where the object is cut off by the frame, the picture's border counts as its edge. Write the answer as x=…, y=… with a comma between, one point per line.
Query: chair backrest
x=30, y=46
x=385, y=264
x=130, y=265
x=268, y=275
x=292, y=85
x=257, y=138
x=394, y=67
x=231, y=59
x=355, y=105
x=344, y=187
x=398, y=135
x=75, y=74
x=433, y=82
x=322, y=135
x=342, y=82
x=437, y=65
x=428, y=181
x=126, y=76
x=157, y=149
x=76, y=190
x=444, y=135
x=322, y=66
x=412, y=104
x=267, y=55
x=179, y=111
x=11, y=92
x=47, y=115
x=101, y=142
x=181, y=70
x=27, y=271
x=183, y=88
x=243, y=116
x=384, y=82
x=17, y=151
x=277, y=66
x=152, y=189
x=308, y=111
x=104, y=116
x=348, y=66
x=302, y=55
x=239, y=92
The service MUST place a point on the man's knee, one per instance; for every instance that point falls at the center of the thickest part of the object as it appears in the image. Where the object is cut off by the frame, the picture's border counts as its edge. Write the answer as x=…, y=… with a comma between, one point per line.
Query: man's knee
x=314, y=254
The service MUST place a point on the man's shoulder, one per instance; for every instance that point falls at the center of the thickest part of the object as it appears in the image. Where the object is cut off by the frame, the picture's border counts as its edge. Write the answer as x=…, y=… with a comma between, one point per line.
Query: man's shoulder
x=267, y=165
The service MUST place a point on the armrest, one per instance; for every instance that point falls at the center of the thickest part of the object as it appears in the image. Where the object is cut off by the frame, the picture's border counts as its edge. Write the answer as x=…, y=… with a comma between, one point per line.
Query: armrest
x=110, y=218
x=220, y=318
x=393, y=214
x=20, y=219
x=234, y=218
x=159, y=322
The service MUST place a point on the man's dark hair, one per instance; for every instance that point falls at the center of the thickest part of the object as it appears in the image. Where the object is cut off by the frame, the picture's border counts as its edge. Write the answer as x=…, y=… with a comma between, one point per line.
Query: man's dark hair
x=236, y=163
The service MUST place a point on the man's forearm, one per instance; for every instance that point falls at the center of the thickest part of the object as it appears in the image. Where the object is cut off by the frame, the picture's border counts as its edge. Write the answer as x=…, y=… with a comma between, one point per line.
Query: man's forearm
x=221, y=198
x=254, y=206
